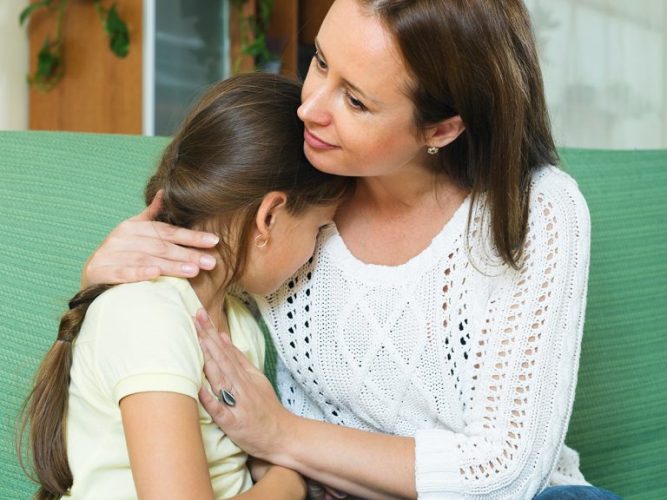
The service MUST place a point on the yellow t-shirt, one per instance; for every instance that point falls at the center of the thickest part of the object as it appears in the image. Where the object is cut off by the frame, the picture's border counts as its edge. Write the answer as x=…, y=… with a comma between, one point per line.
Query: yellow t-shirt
x=141, y=337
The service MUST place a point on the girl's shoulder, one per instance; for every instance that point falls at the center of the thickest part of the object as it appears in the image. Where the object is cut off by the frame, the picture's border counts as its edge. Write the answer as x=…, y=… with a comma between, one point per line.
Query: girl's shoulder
x=132, y=306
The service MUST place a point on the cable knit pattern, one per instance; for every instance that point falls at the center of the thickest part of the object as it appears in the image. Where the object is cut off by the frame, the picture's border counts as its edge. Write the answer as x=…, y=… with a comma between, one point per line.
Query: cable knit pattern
x=477, y=361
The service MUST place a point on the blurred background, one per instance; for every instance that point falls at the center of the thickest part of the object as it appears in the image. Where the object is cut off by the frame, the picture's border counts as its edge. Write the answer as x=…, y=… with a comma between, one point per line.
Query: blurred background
x=604, y=62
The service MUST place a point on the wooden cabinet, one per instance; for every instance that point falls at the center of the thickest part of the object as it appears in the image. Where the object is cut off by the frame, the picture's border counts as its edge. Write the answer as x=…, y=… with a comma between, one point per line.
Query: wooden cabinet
x=99, y=92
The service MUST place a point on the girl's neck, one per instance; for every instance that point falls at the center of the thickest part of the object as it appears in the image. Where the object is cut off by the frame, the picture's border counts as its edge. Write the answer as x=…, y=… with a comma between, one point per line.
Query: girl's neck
x=211, y=289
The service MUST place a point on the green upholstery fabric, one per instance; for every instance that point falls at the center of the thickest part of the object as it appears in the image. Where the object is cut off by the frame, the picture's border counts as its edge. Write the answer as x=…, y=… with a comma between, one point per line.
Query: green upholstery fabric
x=620, y=412
x=61, y=193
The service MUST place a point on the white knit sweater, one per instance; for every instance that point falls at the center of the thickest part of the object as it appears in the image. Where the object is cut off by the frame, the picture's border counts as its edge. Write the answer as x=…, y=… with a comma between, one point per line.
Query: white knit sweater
x=476, y=361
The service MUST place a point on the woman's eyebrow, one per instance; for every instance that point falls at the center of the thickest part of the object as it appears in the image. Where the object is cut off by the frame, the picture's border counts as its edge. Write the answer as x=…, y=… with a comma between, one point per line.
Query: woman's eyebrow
x=345, y=81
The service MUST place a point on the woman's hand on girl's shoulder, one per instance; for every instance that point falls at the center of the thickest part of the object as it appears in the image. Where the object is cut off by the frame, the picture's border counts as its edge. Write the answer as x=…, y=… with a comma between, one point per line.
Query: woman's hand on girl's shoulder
x=140, y=249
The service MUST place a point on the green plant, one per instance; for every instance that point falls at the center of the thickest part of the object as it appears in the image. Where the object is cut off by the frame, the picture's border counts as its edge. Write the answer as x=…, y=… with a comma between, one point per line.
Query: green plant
x=254, y=30
x=50, y=59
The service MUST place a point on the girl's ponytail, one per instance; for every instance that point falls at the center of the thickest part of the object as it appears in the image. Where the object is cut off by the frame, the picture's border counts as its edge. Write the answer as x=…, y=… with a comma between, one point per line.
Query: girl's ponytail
x=45, y=410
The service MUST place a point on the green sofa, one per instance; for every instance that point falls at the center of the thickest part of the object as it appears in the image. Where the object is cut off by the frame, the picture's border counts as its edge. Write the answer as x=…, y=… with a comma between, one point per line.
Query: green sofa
x=60, y=193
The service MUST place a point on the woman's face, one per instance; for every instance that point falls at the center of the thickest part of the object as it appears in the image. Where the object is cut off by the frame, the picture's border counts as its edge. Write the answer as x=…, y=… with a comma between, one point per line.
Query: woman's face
x=357, y=115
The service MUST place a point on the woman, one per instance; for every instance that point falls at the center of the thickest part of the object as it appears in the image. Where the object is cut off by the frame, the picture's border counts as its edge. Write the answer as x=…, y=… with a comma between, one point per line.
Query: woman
x=439, y=323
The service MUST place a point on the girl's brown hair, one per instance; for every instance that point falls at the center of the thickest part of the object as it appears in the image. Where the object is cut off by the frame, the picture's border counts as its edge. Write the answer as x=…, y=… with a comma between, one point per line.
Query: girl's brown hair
x=241, y=141
x=477, y=59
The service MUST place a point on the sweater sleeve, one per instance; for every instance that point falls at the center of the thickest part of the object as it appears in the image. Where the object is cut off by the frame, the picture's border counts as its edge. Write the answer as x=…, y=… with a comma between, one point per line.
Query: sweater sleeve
x=523, y=369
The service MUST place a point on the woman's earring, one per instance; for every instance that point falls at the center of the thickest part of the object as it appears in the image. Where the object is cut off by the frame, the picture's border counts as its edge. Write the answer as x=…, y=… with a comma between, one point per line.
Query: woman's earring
x=432, y=150
x=261, y=243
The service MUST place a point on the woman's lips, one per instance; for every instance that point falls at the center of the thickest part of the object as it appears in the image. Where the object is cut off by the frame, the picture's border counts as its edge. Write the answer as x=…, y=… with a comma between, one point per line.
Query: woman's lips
x=315, y=142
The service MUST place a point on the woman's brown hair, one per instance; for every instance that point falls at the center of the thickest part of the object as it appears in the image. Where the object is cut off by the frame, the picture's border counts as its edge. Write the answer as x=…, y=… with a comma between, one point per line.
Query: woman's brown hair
x=241, y=141
x=477, y=59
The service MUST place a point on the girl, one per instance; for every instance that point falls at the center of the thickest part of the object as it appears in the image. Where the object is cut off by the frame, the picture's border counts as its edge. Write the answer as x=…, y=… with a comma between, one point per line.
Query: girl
x=114, y=411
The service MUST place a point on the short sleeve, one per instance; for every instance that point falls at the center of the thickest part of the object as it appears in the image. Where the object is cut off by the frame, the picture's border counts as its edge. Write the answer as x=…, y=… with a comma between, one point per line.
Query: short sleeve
x=145, y=341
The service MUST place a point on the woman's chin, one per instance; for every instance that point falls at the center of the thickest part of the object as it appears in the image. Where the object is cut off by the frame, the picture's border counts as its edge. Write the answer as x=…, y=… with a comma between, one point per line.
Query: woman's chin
x=322, y=161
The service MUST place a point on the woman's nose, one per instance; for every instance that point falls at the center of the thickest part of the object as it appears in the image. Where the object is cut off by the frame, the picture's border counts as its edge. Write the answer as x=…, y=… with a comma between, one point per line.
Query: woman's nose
x=315, y=106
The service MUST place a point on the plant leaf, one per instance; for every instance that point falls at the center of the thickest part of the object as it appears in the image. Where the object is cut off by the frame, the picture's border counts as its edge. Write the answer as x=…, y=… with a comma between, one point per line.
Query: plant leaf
x=47, y=61
x=25, y=13
x=119, y=36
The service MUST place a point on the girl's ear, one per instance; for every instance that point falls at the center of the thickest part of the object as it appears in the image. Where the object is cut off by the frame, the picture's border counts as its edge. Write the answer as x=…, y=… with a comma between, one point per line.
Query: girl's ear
x=272, y=204
x=445, y=132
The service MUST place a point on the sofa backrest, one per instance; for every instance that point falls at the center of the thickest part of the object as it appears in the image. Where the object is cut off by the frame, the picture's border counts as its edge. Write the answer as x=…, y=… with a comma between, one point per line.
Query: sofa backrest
x=60, y=194
x=620, y=411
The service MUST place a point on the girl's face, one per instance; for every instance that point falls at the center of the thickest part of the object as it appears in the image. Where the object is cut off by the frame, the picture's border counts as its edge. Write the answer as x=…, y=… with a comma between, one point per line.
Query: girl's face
x=290, y=244
x=357, y=115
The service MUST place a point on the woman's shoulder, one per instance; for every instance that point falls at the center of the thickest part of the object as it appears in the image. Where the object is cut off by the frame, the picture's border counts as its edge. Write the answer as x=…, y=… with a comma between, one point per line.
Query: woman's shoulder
x=554, y=191
x=553, y=181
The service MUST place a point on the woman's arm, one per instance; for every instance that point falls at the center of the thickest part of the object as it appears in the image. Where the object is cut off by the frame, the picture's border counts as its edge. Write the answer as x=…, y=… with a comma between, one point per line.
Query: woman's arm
x=165, y=446
x=140, y=249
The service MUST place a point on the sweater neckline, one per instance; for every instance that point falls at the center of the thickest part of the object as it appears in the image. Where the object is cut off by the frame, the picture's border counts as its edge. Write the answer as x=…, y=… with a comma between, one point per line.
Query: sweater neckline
x=335, y=247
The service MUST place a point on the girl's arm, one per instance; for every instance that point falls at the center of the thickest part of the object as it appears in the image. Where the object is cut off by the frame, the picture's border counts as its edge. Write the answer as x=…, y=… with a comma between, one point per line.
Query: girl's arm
x=279, y=483
x=140, y=249
x=165, y=446
x=167, y=454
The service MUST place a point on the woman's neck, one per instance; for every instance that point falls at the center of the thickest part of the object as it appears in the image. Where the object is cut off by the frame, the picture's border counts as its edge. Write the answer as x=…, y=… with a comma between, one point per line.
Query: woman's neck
x=406, y=190
x=391, y=219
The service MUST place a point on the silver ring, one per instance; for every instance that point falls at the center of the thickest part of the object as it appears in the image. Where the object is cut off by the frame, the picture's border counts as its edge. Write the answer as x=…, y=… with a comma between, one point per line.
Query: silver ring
x=226, y=397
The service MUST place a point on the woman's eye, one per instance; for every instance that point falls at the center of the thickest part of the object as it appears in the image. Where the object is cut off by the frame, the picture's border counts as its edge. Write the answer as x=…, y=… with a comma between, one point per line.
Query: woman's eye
x=319, y=61
x=355, y=103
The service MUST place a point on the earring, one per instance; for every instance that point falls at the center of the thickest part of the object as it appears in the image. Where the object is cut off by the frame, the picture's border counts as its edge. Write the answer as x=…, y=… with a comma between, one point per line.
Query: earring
x=432, y=150
x=263, y=242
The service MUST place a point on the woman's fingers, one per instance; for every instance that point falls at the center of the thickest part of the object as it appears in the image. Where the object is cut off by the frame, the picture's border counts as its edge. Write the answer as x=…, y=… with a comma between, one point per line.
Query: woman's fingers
x=212, y=370
x=206, y=329
x=204, y=325
x=113, y=275
x=137, y=267
x=140, y=248
x=224, y=370
x=133, y=258
x=217, y=411
x=125, y=233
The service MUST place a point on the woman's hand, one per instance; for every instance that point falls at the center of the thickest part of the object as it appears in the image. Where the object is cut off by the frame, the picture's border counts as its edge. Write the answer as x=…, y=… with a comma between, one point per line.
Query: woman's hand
x=257, y=423
x=140, y=248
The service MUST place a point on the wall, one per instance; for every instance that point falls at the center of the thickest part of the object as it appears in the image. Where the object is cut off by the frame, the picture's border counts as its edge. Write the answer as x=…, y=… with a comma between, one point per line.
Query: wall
x=13, y=67
x=605, y=70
